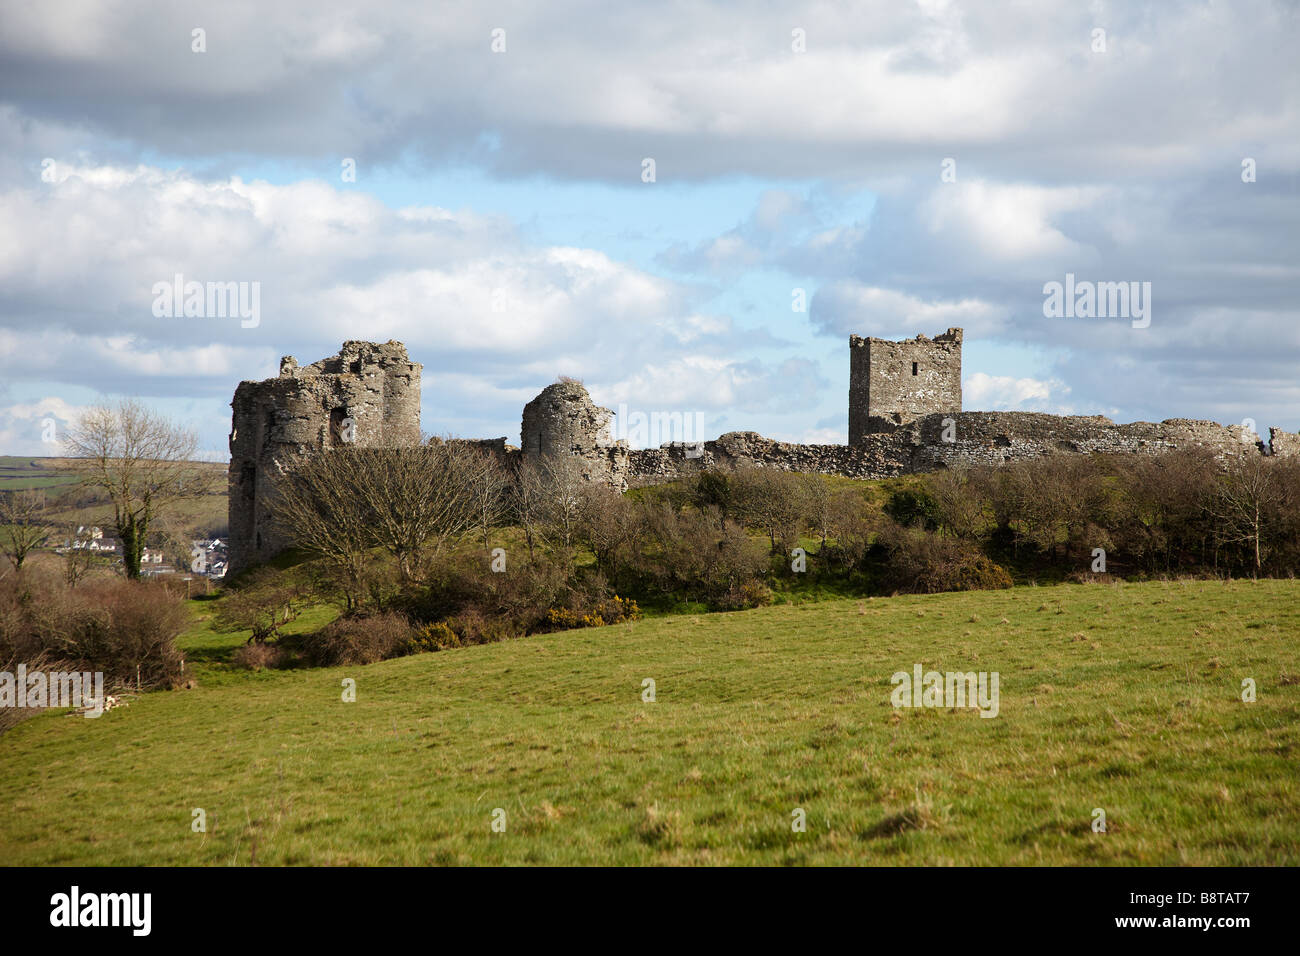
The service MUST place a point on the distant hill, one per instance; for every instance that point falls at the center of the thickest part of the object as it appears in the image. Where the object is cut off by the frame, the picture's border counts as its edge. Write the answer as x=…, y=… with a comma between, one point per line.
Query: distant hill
x=17, y=473
x=74, y=504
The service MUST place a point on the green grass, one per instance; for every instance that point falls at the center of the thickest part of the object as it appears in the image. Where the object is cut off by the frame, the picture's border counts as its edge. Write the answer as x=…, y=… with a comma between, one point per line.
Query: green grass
x=1124, y=697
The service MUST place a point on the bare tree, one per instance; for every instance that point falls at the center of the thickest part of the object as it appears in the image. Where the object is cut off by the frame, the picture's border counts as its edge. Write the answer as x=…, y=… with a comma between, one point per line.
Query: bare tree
x=961, y=503
x=77, y=561
x=852, y=526
x=816, y=493
x=563, y=488
x=771, y=500
x=528, y=494
x=1242, y=503
x=412, y=502
x=143, y=461
x=320, y=502
x=23, y=524
x=608, y=523
x=421, y=498
x=488, y=485
x=263, y=604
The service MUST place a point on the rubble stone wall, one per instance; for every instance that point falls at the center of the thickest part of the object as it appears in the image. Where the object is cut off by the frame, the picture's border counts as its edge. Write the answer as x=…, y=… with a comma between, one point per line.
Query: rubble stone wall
x=954, y=441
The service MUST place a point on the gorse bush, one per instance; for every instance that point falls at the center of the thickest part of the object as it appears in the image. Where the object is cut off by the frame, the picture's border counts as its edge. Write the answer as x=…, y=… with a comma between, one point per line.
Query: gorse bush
x=615, y=610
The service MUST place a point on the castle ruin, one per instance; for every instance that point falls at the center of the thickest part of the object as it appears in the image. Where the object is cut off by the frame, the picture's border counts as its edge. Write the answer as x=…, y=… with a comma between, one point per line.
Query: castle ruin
x=905, y=416
x=368, y=395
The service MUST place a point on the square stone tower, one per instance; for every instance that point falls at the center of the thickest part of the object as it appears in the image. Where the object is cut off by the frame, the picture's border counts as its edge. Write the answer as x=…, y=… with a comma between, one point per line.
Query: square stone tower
x=893, y=383
x=368, y=394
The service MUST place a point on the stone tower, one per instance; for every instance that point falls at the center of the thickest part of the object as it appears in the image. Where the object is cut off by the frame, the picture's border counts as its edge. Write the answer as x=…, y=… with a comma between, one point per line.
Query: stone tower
x=892, y=383
x=368, y=394
x=563, y=420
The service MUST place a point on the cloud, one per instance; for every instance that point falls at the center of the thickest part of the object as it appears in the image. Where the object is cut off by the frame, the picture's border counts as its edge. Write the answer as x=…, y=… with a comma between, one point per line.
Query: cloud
x=1122, y=165
x=465, y=292
x=880, y=88
x=37, y=428
x=1005, y=393
x=712, y=384
x=851, y=307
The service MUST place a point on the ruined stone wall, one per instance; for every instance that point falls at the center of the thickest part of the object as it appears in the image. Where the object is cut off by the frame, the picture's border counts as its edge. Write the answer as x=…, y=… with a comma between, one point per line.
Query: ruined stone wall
x=1283, y=444
x=877, y=456
x=999, y=437
x=954, y=441
x=563, y=421
x=368, y=394
x=895, y=383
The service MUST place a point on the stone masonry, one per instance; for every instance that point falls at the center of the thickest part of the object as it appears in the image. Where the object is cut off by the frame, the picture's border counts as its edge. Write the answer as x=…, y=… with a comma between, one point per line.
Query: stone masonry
x=953, y=440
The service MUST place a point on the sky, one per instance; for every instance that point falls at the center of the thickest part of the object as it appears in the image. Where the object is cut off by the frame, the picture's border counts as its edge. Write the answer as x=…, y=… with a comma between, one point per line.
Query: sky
x=687, y=206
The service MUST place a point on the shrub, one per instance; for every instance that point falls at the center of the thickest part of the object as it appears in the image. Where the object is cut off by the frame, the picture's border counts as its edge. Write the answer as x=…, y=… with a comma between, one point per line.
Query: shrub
x=11, y=717
x=475, y=627
x=712, y=489
x=615, y=610
x=920, y=562
x=434, y=637
x=360, y=638
x=263, y=602
x=464, y=583
x=125, y=629
x=128, y=629
x=690, y=554
x=909, y=506
x=745, y=595
x=256, y=657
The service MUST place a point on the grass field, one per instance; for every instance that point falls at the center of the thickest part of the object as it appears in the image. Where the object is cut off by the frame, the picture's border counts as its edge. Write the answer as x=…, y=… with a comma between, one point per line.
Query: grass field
x=1120, y=697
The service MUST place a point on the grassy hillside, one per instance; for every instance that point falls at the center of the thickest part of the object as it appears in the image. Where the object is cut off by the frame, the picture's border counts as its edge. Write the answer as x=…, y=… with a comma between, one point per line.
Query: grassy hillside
x=1124, y=697
x=19, y=473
